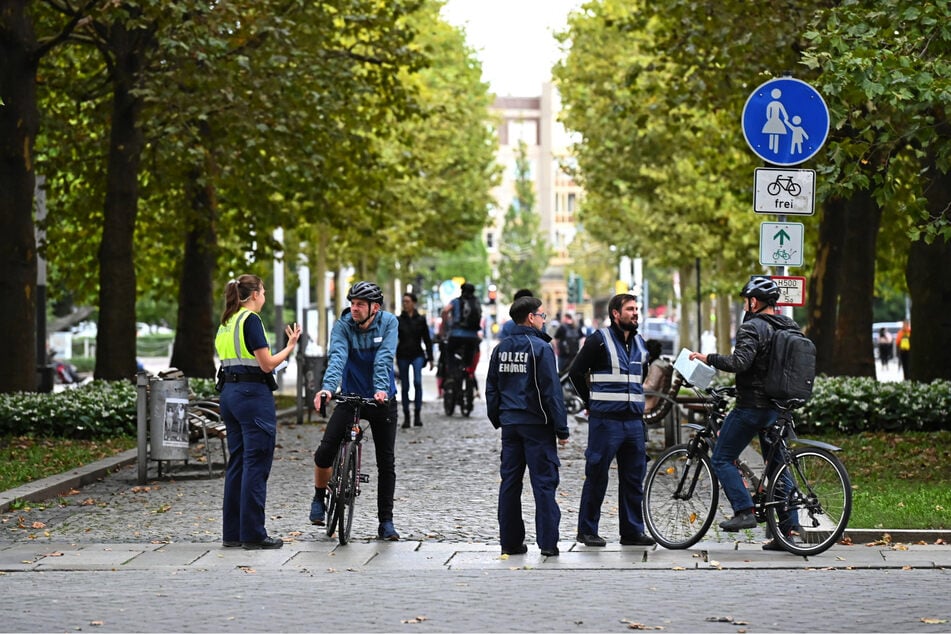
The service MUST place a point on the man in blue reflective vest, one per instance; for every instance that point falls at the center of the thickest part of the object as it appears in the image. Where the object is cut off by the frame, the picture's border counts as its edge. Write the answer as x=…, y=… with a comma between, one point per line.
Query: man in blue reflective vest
x=614, y=359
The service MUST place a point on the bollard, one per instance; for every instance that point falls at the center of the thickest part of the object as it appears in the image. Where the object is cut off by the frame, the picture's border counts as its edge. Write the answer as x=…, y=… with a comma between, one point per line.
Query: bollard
x=141, y=407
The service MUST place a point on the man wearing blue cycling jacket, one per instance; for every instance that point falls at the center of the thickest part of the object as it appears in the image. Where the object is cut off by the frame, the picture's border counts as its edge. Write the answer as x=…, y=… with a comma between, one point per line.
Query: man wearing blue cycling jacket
x=362, y=348
x=754, y=411
x=524, y=399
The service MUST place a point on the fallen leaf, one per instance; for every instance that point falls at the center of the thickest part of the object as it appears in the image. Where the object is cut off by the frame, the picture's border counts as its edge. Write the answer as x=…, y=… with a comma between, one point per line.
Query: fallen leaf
x=54, y=554
x=720, y=619
x=38, y=525
x=678, y=568
x=416, y=619
x=97, y=623
x=247, y=569
x=87, y=502
x=931, y=621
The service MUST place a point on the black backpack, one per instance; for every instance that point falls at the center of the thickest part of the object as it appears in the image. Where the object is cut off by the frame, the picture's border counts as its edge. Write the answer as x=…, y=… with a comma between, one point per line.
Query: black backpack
x=792, y=365
x=470, y=313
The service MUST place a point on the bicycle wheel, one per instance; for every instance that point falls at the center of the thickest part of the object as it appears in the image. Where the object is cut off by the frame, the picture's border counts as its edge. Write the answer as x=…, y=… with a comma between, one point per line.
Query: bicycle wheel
x=333, y=492
x=809, y=501
x=467, y=395
x=448, y=396
x=680, y=497
x=348, y=496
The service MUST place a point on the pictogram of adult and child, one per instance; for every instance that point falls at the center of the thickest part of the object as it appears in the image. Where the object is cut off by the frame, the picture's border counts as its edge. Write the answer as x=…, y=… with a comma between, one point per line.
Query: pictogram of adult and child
x=778, y=124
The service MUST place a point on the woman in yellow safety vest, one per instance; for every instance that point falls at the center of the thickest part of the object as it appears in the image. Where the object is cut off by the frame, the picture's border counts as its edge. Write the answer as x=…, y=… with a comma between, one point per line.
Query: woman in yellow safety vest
x=247, y=408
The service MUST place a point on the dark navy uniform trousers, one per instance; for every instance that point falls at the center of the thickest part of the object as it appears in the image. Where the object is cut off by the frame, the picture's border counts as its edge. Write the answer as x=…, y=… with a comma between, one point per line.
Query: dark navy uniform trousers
x=533, y=446
x=609, y=439
x=251, y=420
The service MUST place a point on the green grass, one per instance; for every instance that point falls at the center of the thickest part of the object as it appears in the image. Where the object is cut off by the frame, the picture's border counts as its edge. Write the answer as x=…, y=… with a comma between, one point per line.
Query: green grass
x=26, y=458
x=899, y=480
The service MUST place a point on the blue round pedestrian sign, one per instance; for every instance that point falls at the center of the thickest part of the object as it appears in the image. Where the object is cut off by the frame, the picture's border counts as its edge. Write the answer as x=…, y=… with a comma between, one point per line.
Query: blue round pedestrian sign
x=785, y=121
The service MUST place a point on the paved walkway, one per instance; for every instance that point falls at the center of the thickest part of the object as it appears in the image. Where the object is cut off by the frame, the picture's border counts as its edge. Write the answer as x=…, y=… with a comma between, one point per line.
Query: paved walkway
x=121, y=556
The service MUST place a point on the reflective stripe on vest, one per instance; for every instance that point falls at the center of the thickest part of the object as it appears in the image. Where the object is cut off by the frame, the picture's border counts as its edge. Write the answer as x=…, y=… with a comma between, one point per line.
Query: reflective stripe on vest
x=237, y=354
x=609, y=390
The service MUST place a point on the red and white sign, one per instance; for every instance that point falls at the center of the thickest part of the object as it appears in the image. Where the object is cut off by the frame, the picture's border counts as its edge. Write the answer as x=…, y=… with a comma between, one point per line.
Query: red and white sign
x=792, y=290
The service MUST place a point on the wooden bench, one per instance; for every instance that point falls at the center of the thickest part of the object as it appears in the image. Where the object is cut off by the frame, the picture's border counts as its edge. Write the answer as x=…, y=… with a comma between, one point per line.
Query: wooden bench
x=204, y=422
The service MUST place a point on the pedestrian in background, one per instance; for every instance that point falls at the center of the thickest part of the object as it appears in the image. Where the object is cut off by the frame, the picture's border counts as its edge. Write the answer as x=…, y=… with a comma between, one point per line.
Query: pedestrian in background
x=568, y=339
x=884, y=347
x=414, y=350
x=248, y=411
x=903, y=343
x=524, y=399
x=614, y=359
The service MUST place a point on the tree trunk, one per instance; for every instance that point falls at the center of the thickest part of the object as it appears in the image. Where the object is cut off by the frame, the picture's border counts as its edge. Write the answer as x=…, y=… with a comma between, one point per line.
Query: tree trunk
x=929, y=284
x=194, y=349
x=115, y=341
x=853, y=341
x=18, y=126
x=823, y=291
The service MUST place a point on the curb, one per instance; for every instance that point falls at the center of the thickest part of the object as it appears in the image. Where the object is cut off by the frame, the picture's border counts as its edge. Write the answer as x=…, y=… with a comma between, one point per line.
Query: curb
x=52, y=486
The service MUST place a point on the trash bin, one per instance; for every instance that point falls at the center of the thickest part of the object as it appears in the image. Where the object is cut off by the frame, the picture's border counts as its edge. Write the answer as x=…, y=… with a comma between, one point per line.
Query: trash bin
x=168, y=416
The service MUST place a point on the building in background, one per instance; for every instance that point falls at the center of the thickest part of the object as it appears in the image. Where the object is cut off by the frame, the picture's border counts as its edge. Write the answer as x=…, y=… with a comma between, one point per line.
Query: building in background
x=533, y=120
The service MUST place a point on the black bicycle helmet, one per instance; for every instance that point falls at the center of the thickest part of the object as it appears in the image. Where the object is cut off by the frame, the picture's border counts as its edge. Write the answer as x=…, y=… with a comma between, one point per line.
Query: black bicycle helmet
x=365, y=290
x=763, y=289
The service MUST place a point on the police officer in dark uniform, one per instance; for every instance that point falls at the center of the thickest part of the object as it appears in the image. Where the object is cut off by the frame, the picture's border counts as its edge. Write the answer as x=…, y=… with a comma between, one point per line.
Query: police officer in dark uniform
x=524, y=398
x=247, y=408
x=616, y=360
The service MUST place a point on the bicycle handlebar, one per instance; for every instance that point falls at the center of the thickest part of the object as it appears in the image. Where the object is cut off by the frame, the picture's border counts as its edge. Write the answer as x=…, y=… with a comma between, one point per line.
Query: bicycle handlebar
x=352, y=399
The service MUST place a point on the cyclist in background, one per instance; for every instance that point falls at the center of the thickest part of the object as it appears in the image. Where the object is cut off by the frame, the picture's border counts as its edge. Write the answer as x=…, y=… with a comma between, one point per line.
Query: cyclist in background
x=463, y=340
x=362, y=348
x=754, y=411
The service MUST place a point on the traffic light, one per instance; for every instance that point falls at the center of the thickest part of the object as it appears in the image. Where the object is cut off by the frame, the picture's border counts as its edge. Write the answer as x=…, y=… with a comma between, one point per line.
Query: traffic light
x=575, y=289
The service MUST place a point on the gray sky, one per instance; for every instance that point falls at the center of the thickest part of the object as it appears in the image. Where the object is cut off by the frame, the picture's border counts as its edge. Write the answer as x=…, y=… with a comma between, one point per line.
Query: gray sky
x=513, y=39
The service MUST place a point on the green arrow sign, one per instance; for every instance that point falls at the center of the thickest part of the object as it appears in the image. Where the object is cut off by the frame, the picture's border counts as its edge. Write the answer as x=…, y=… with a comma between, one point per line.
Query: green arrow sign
x=782, y=236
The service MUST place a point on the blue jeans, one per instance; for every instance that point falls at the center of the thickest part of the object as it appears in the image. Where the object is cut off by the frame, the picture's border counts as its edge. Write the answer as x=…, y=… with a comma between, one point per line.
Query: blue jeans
x=608, y=440
x=740, y=427
x=404, y=365
x=532, y=446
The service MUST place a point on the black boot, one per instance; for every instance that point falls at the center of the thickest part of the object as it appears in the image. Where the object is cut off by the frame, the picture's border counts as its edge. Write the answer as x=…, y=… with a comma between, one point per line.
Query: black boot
x=416, y=420
x=405, y=419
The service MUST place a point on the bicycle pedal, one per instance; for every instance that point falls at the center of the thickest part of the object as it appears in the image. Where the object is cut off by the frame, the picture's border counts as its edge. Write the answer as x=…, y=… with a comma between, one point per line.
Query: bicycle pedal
x=364, y=477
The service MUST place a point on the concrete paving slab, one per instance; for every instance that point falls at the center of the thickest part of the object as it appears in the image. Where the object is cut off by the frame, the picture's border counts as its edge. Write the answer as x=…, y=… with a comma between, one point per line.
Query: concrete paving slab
x=238, y=558
x=92, y=557
x=170, y=556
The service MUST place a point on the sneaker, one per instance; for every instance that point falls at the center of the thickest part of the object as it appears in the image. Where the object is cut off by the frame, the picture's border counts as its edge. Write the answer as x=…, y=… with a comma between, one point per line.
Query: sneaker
x=738, y=522
x=387, y=532
x=268, y=543
x=773, y=545
x=592, y=540
x=550, y=552
x=640, y=539
x=521, y=549
x=230, y=543
x=318, y=511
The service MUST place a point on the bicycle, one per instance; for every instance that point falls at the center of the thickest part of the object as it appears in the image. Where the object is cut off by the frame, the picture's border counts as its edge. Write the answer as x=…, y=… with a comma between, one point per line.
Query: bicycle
x=458, y=388
x=803, y=494
x=346, y=477
x=573, y=402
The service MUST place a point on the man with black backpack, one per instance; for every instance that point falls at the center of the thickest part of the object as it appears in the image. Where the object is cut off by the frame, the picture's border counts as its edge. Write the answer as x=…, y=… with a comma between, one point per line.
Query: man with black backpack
x=464, y=315
x=754, y=411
